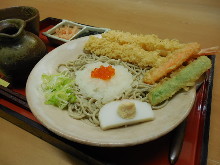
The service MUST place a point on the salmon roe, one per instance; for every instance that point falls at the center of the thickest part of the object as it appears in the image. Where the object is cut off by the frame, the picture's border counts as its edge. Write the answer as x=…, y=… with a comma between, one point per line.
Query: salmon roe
x=104, y=73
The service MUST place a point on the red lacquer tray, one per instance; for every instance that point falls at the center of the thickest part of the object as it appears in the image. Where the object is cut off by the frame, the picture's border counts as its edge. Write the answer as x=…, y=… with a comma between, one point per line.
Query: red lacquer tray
x=195, y=144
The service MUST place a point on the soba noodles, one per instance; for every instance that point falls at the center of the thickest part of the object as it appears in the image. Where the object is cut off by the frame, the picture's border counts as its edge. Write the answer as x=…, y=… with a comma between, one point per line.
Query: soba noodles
x=87, y=108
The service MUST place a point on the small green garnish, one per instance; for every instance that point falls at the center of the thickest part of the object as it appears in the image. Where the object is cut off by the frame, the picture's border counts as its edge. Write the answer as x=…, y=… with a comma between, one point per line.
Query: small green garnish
x=58, y=89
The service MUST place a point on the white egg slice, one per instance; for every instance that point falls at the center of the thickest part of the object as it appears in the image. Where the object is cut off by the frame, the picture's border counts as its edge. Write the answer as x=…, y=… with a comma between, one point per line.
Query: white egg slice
x=109, y=117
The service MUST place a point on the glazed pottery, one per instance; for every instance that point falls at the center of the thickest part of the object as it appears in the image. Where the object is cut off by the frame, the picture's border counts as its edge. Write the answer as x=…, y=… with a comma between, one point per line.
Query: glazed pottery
x=19, y=50
x=29, y=14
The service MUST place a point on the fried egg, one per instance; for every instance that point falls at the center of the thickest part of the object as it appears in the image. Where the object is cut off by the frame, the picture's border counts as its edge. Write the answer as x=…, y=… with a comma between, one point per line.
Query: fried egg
x=109, y=116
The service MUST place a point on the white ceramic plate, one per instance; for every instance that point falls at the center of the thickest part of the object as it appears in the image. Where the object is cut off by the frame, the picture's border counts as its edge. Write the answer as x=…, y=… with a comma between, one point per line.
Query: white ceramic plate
x=59, y=122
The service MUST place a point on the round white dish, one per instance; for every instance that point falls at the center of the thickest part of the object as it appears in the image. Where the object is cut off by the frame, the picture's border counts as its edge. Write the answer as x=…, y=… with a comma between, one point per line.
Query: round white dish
x=59, y=122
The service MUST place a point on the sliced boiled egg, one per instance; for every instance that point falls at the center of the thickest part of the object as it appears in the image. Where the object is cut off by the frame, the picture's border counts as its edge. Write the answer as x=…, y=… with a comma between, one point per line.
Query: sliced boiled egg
x=124, y=112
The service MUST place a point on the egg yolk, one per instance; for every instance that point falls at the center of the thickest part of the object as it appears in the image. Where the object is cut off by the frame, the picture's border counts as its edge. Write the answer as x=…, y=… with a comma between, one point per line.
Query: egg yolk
x=104, y=73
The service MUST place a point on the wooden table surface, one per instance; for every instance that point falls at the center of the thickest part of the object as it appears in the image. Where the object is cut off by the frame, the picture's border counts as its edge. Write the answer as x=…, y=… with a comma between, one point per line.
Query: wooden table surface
x=185, y=20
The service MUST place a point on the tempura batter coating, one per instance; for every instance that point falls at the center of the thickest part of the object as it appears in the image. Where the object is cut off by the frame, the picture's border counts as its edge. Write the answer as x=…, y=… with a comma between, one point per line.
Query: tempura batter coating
x=181, y=79
x=127, y=52
x=150, y=42
x=143, y=50
x=171, y=63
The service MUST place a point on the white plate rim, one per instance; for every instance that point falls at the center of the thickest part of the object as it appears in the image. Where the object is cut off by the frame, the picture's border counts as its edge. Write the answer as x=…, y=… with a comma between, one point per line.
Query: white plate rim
x=32, y=93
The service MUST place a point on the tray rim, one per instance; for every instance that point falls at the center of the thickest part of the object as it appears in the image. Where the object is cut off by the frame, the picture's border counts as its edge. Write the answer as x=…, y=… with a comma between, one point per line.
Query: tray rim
x=205, y=136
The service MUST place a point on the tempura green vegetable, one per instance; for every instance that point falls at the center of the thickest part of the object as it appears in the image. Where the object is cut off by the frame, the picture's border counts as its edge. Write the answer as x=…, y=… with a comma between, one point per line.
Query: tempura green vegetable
x=58, y=89
x=181, y=79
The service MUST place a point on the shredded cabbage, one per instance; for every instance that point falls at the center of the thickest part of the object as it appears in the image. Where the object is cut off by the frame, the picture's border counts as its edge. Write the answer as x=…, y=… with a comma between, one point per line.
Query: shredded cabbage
x=58, y=89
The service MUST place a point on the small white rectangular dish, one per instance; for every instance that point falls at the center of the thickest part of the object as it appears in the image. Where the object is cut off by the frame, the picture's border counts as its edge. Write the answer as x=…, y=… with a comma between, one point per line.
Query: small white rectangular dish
x=67, y=30
x=64, y=32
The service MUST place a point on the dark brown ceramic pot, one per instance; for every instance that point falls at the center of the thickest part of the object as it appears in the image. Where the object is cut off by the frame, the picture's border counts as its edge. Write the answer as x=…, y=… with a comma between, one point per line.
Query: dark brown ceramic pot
x=29, y=14
x=19, y=50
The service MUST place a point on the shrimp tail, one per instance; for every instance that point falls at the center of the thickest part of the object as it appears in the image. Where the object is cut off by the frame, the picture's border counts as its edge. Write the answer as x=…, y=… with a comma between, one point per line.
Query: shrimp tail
x=209, y=51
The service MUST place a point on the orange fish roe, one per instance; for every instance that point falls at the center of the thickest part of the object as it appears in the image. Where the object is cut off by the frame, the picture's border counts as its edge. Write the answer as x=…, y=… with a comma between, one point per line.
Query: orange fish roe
x=104, y=73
